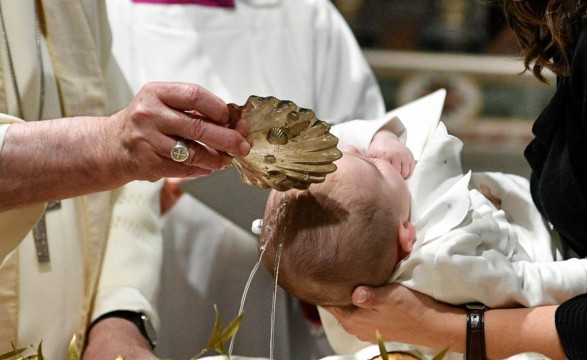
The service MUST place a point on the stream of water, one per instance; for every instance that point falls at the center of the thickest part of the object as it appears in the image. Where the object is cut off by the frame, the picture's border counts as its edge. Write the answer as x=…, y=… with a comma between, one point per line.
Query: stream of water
x=263, y=245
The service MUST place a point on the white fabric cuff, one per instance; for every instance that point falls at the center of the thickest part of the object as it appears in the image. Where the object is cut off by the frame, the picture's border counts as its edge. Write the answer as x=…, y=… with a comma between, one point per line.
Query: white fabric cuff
x=123, y=298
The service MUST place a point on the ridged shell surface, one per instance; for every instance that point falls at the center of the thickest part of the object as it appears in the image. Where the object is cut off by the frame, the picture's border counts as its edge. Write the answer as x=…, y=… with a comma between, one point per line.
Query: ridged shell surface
x=291, y=147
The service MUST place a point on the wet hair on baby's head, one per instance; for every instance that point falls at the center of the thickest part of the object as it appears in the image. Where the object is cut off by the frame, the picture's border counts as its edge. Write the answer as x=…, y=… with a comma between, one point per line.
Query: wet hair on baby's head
x=332, y=238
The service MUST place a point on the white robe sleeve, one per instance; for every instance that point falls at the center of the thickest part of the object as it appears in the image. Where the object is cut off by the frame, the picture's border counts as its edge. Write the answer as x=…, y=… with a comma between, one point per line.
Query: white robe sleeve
x=491, y=278
x=481, y=260
x=551, y=283
x=131, y=268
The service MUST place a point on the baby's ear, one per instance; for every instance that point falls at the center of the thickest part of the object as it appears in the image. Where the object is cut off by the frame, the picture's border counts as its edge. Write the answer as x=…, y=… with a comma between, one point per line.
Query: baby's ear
x=406, y=238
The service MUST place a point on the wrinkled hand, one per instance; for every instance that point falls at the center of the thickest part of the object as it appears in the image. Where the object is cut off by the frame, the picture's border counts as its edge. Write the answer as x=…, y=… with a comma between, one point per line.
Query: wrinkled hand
x=86, y=154
x=161, y=113
x=400, y=314
x=387, y=146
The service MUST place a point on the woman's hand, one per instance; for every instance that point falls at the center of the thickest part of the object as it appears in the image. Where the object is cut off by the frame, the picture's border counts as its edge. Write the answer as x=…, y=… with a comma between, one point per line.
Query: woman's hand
x=387, y=146
x=403, y=315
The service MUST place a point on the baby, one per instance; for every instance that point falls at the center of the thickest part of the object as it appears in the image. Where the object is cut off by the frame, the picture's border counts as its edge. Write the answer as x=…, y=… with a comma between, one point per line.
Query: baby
x=440, y=233
x=330, y=243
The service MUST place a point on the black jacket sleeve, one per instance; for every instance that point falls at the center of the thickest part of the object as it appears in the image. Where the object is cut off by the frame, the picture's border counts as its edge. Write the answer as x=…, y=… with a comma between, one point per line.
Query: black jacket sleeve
x=571, y=325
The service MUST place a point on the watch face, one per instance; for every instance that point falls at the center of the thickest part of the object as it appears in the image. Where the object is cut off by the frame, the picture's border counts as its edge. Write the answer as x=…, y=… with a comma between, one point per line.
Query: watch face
x=149, y=330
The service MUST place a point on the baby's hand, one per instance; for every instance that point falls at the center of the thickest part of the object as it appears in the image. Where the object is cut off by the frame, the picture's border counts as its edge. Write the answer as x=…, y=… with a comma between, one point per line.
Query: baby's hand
x=387, y=146
x=486, y=191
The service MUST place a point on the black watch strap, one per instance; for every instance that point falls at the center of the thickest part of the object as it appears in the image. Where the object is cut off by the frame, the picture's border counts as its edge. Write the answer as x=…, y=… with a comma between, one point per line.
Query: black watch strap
x=141, y=320
x=475, y=332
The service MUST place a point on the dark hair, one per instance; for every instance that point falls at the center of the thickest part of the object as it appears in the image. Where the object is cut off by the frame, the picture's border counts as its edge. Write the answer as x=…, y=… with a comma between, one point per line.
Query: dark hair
x=322, y=242
x=546, y=31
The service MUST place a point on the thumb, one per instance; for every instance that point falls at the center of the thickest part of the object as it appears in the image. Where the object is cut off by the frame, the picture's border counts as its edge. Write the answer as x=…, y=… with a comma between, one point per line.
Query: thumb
x=364, y=297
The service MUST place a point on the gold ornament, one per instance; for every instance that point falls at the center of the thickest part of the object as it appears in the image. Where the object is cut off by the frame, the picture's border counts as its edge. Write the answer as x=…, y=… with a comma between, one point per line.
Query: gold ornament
x=291, y=147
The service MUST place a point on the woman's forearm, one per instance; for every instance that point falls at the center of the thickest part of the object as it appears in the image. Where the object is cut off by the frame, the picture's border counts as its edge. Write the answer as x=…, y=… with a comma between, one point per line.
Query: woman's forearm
x=404, y=315
x=514, y=331
x=507, y=332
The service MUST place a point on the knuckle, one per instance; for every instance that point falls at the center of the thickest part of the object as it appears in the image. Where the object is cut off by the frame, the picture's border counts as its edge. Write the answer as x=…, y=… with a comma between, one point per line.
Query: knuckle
x=149, y=87
x=140, y=112
x=193, y=91
x=196, y=128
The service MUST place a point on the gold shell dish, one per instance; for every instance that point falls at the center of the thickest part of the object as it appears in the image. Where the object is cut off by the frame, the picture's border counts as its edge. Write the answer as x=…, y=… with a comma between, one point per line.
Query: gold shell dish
x=291, y=147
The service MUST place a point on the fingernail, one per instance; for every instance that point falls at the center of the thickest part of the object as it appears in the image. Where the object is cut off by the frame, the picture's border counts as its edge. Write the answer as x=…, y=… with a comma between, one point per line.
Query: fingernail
x=244, y=148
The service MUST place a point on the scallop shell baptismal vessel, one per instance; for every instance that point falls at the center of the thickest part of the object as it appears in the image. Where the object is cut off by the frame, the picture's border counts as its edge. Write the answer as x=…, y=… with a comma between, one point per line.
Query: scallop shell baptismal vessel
x=291, y=147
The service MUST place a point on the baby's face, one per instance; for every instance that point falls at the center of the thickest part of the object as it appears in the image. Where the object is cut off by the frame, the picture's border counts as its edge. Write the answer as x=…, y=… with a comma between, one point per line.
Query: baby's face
x=377, y=175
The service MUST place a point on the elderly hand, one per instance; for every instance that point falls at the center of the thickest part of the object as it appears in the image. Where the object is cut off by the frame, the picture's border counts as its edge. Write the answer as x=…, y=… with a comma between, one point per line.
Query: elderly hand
x=81, y=155
x=162, y=113
x=387, y=146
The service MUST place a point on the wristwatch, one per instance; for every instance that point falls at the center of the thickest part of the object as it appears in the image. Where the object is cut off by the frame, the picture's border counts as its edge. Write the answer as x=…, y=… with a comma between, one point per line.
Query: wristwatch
x=475, y=332
x=141, y=320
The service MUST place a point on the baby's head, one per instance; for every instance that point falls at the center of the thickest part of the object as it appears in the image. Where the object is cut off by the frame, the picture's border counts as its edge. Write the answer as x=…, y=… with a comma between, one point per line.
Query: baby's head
x=336, y=235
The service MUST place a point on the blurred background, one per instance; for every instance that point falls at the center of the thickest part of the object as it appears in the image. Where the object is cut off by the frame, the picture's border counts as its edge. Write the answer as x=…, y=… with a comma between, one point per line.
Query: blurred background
x=465, y=46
